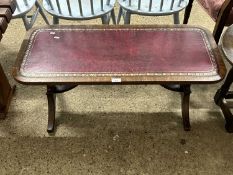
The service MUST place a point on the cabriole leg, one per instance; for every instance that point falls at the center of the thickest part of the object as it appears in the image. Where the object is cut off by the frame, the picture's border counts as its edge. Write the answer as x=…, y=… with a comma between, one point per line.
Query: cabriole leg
x=51, y=96
x=185, y=96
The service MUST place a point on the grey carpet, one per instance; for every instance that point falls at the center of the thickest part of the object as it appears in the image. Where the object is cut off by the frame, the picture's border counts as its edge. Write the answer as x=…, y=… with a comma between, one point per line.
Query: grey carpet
x=112, y=129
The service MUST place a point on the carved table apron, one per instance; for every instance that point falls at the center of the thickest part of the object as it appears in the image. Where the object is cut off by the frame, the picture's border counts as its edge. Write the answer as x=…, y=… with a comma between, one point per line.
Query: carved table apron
x=62, y=57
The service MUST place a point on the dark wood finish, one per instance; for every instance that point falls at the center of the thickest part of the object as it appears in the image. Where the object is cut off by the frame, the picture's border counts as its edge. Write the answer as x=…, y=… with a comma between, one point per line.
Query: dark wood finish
x=118, y=59
x=188, y=11
x=8, y=4
x=220, y=21
x=6, y=13
x=7, y=7
x=5, y=94
x=3, y=24
x=224, y=93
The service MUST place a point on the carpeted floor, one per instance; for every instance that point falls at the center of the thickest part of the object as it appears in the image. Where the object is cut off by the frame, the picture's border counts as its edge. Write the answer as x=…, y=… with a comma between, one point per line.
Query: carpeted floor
x=112, y=129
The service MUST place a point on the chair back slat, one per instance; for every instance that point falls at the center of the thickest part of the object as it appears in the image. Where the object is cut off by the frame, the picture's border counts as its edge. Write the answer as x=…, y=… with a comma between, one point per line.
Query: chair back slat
x=161, y=5
x=150, y=5
x=25, y=2
x=58, y=6
x=102, y=5
x=139, y=4
x=80, y=7
x=17, y=7
x=129, y=2
x=92, y=8
x=172, y=4
x=108, y=2
x=50, y=4
x=179, y=2
x=69, y=8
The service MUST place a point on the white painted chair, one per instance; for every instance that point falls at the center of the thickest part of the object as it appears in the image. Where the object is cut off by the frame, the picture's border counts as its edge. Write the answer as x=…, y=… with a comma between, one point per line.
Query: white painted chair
x=151, y=8
x=23, y=7
x=80, y=10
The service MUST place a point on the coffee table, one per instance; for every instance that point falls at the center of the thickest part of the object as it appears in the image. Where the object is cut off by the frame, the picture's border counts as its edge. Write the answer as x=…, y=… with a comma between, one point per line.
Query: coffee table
x=62, y=57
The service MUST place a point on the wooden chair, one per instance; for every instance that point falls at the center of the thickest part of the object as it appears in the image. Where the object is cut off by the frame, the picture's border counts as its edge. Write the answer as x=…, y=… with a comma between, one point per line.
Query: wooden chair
x=220, y=11
x=80, y=10
x=151, y=8
x=25, y=6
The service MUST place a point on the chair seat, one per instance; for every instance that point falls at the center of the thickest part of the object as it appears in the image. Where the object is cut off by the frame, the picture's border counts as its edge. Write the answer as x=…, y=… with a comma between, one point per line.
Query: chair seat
x=156, y=8
x=23, y=7
x=52, y=7
x=213, y=7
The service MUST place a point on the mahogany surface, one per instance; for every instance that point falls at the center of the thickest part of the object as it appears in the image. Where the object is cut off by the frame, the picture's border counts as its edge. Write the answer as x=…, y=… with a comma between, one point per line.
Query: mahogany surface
x=3, y=24
x=7, y=8
x=57, y=56
x=68, y=54
x=8, y=4
x=6, y=12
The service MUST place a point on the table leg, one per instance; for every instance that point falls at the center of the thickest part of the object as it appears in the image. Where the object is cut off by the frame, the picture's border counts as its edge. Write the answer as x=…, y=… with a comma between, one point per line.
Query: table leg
x=219, y=98
x=185, y=96
x=6, y=93
x=51, y=96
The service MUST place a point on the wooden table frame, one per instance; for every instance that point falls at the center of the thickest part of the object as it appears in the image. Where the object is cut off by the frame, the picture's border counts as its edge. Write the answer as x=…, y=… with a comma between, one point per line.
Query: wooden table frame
x=7, y=8
x=176, y=82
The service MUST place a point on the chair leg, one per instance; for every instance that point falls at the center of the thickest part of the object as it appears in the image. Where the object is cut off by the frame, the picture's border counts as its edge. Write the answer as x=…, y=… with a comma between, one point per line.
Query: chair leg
x=26, y=22
x=113, y=16
x=105, y=19
x=55, y=20
x=176, y=18
x=127, y=17
x=42, y=12
x=119, y=15
x=187, y=12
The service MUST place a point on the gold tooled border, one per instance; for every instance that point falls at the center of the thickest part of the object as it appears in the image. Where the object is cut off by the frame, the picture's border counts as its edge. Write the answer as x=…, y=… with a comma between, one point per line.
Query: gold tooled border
x=211, y=72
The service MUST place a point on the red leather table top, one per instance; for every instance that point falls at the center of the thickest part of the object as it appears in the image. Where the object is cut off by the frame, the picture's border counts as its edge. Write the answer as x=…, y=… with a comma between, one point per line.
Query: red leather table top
x=97, y=54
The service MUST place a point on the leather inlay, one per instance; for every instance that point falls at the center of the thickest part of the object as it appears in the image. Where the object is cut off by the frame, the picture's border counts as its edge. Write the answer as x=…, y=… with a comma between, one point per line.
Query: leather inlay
x=90, y=52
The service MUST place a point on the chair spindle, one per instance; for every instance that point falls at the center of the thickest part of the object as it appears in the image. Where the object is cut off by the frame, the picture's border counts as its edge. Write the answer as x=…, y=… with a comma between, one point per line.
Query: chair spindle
x=108, y=2
x=129, y=2
x=161, y=5
x=25, y=2
x=139, y=4
x=58, y=6
x=50, y=4
x=69, y=8
x=17, y=7
x=80, y=7
x=179, y=3
x=92, y=8
x=102, y=5
x=172, y=3
x=150, y=5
